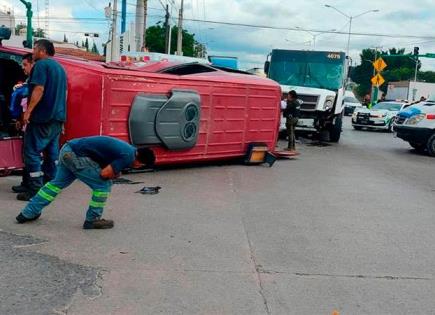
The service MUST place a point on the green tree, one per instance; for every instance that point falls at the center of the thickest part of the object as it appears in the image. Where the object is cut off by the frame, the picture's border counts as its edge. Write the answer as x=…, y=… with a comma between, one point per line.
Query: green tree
x=39, y=32
x=155, y=39
x=200, y=50
x=19, y=27
x=65, y=40
x=87, y=44
x=398, y=69
x=427, y=76
x=95, y=49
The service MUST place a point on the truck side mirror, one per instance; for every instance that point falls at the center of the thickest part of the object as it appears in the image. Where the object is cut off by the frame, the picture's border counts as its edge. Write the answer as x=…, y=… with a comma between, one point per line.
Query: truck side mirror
x=266, y=67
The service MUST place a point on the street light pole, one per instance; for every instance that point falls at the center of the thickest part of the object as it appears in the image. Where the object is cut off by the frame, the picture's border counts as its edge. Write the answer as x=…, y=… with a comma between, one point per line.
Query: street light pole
x=313, y=35
x=29, y=14
x=348, y=36
x=351, y=18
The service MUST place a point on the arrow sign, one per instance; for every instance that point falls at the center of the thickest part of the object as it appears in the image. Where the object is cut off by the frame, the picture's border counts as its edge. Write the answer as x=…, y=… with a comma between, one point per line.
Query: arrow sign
x=379, y=65
x=377, y=80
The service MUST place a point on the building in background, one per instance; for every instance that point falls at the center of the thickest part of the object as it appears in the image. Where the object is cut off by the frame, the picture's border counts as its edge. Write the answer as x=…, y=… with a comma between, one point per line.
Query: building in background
x=7, y=18
x=410, y=90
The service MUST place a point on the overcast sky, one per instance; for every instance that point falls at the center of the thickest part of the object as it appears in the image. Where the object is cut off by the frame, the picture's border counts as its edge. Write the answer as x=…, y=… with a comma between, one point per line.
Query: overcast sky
x=251, y=45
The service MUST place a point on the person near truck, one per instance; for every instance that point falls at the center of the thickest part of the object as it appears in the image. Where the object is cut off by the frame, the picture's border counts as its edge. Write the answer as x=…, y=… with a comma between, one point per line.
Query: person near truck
x=44, y=117
x=95, y=161
x=17, y=107
x=291, y=114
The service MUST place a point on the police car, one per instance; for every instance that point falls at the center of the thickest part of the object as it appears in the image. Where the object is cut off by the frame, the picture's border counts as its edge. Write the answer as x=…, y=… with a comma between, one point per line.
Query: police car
x=416, y=125
x=380, y=116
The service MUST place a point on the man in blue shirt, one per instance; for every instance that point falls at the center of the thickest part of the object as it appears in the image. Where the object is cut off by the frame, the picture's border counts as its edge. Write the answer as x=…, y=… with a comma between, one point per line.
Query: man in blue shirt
x=44, y=116
x=95, y=161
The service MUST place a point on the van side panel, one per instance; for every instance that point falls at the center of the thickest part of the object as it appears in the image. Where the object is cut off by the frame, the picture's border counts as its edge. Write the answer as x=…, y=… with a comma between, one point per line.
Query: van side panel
x=84, y=102
x=232, y=115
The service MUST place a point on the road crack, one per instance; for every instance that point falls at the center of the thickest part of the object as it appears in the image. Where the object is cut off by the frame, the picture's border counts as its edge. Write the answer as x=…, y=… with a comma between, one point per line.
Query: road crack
x=257, y=268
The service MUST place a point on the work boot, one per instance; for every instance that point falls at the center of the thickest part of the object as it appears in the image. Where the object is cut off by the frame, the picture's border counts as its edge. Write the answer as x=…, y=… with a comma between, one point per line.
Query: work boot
x=22, y=219
x=19, y=189
x=98, y=224
x=25, y=196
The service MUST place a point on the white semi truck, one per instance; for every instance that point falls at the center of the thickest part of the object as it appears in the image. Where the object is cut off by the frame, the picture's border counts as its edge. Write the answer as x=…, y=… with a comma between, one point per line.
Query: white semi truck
x=319, y=78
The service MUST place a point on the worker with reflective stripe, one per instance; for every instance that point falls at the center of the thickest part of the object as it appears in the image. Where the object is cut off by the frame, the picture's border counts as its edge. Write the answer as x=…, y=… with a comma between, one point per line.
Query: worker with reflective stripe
x=94, y=161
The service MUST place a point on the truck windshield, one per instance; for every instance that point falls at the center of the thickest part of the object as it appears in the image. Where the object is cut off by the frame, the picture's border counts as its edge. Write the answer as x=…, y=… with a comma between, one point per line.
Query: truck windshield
x=318, y=69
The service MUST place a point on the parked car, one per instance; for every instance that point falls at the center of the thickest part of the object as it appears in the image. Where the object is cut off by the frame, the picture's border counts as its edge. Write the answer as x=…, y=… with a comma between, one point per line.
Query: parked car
x=416, y=125
x=350, y=104
x=379, y=117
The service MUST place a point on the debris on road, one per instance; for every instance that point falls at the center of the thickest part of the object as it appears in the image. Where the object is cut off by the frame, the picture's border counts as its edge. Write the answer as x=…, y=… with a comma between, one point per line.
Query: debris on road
x=149, y=190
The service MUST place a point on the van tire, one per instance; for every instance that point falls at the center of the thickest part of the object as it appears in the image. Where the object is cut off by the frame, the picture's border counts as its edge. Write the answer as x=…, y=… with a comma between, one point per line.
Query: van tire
x=430, y=146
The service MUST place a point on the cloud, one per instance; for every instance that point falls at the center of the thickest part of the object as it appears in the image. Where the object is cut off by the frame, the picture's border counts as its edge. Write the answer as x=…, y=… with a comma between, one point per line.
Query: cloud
x=251, y=45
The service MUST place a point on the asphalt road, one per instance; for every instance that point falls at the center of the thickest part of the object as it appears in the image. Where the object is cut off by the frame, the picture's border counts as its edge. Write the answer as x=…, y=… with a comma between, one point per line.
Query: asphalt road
x=347, y=227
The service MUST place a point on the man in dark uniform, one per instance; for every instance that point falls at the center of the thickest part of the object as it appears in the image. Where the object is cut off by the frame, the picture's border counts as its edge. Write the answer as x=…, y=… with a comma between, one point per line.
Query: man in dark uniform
x=95, y=161
x=44, y=117
x=291, y=114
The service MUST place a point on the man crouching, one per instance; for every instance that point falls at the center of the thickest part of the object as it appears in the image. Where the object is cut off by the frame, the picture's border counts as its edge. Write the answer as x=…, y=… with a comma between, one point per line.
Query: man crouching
x=95, y=161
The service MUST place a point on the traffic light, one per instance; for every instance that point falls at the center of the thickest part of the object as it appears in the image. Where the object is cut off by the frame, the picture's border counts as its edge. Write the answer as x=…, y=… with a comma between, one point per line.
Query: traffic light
x=92, y=35
x=416, y=50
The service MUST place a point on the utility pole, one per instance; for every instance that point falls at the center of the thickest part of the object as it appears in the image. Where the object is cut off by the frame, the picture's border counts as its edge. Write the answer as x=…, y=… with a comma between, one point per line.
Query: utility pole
x=113, y=44
x=29, y=14
x=145, y=13
x=167, y=26
x=414, y=90
x=375, y=88
x=180, y=31
x=141, y=17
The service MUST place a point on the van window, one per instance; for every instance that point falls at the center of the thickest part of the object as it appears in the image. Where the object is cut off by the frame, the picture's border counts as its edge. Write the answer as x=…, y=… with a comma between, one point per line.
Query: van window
x=188, y=68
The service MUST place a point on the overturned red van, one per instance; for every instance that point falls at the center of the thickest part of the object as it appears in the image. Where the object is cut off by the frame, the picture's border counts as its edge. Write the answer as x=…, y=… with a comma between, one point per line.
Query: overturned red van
x=183, y=112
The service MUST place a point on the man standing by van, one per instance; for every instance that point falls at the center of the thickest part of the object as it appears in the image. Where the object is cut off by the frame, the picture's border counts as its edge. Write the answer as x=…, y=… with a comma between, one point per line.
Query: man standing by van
x=44, y=116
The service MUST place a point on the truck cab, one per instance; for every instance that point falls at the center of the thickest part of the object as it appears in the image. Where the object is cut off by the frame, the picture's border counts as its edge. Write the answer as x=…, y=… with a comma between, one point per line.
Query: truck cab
x=319, y=78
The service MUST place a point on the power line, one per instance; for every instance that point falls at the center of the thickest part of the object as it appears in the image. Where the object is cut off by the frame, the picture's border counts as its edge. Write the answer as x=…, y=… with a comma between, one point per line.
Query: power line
x=92, y=6
x=309, y=30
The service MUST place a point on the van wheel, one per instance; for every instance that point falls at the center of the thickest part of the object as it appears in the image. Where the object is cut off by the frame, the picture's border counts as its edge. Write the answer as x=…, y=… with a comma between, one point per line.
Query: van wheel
x=430, y=146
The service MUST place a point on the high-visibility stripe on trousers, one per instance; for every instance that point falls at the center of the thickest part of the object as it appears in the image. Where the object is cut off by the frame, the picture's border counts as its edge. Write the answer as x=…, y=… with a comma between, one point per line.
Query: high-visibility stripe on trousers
x=97, y=204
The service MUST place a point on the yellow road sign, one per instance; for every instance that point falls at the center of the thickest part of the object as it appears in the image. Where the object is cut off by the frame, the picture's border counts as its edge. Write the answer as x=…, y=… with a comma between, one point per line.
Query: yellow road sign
x=378, y=80
x=379, y=64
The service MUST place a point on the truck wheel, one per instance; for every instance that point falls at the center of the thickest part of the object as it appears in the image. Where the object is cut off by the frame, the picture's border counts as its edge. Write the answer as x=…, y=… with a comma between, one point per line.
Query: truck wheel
x=430, y=146
x=335, y=130
x=418, y=147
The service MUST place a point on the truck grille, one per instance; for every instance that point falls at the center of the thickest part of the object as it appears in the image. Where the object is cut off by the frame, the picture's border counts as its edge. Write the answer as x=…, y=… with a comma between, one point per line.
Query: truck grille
x=309, y=102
